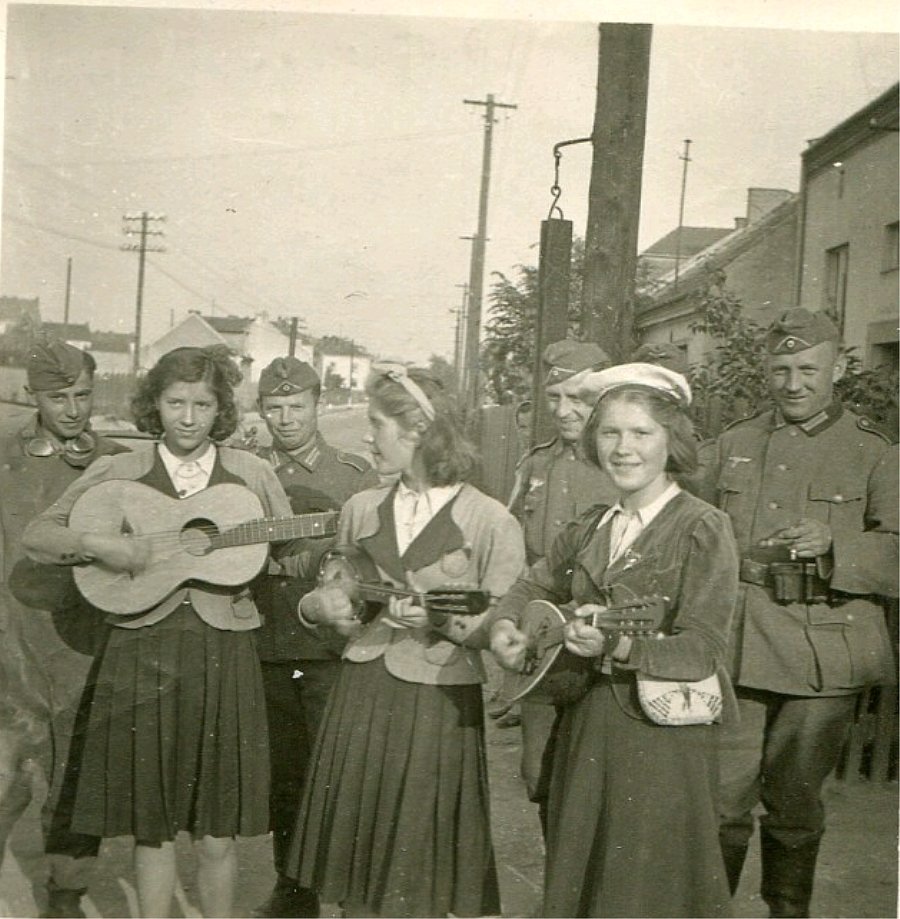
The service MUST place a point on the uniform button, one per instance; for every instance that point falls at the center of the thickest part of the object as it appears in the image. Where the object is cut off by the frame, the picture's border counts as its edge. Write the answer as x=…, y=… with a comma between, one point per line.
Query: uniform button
x=781, y=467
x=557, y=523
x=773, y=505
x=849, y=617
x=839, y=498
x=290, y=470
x=793, y=432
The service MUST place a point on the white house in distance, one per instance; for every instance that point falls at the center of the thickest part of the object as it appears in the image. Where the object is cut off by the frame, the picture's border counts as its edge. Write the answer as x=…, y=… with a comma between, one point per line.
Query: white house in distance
x=343, y=358
x=255, y=342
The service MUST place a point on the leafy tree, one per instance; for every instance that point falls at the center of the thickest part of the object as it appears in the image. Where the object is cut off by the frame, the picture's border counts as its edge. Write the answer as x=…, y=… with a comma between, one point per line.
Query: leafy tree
x=443, y=371
x=507, y=353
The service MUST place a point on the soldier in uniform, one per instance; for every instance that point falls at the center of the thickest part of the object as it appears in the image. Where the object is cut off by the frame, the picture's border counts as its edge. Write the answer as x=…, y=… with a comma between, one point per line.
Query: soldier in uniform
x=46, y=653
x=299, y=667
x=811, y=490
x=555, y=484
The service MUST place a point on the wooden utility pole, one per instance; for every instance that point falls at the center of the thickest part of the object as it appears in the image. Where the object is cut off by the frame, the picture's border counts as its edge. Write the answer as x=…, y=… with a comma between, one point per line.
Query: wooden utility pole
x=685, y=158
x=142, y=248
x=610, y=258
x=68, y=290
x=472, y=378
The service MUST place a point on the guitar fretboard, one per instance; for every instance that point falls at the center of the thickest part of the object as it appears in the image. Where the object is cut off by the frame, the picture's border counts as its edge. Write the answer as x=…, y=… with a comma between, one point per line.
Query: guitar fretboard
x=278, y=529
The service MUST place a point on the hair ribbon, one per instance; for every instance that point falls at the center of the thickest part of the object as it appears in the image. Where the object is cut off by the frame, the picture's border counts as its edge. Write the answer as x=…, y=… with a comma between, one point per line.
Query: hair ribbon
x=397, y=374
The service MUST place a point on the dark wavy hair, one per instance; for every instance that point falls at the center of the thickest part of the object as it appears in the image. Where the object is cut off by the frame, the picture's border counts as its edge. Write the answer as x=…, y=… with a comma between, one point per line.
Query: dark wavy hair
x=680, y=440
x=447, y=455
x=212, y=366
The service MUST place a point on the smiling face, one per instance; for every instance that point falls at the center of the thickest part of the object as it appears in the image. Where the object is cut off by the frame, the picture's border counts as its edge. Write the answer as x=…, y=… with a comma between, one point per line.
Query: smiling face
x=569, y=410
x=188, y=413
x=66, y=412
x=802, y=384
x=292, y=420
x=393, y=448
x=633, y=449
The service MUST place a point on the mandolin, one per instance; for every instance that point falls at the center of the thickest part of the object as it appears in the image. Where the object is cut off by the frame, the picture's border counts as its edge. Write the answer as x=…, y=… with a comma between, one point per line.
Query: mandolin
x=554, y=674
x=217, y=535
x=351, y=569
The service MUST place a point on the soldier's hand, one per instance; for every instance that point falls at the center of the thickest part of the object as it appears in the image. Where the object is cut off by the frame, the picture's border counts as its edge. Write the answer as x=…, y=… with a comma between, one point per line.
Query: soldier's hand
x=509, y=645
x=583, y=639
x=806, y=538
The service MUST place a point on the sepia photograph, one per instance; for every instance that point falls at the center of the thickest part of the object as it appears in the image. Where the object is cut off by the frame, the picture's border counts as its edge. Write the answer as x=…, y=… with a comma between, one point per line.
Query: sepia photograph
x=448, y=458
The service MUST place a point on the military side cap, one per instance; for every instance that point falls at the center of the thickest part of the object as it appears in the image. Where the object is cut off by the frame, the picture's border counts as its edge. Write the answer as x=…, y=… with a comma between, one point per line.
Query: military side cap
x=662, y=353
x=563, y=359
x=56, y=365
x=285, y=376
x=798, y=329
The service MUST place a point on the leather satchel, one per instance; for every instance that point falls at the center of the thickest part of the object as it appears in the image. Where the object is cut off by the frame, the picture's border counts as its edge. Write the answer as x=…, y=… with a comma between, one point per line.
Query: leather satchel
x=673, y=703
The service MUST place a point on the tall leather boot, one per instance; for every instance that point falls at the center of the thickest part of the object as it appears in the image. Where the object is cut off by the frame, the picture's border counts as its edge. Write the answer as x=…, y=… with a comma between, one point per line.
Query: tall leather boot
x=63, y=903
x=734, y=855
x=288, y=900
x=787, y=875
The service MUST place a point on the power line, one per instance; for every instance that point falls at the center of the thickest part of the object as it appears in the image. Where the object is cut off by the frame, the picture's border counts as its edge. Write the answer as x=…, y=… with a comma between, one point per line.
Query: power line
x=142, y=248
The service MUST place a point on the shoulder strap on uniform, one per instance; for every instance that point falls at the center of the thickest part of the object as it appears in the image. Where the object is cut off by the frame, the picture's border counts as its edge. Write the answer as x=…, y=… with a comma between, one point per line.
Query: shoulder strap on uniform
x=872, y=427
x=741, y=420
x=351, y=459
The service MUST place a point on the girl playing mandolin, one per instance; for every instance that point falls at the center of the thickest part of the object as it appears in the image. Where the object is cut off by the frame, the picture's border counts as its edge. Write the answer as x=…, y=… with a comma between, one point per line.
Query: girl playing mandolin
x=632, y=819
x=395, y=819
x=176, y=738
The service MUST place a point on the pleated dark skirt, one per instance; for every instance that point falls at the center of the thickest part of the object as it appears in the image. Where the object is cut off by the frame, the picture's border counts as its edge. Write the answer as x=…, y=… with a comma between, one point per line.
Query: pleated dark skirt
x=176, y=738
x=395, y=814
x=633, y=826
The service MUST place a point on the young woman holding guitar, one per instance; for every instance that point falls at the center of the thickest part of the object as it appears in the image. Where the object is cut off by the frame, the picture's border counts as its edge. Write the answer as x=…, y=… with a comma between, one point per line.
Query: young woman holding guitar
x=176, y=739
x=395, y=819
x=632, y=819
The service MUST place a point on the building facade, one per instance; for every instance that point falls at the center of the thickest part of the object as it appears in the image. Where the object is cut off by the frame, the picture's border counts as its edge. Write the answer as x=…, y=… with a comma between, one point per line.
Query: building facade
x=848, y=251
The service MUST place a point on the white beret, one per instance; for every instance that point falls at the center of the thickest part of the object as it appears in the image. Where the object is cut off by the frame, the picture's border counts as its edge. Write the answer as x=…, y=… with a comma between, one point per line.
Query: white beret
x=596, y=384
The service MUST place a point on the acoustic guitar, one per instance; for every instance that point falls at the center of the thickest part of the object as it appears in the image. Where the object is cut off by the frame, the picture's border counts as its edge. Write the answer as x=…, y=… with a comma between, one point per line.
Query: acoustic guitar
x=351, y=569
x=217, y=535
x=555, y=675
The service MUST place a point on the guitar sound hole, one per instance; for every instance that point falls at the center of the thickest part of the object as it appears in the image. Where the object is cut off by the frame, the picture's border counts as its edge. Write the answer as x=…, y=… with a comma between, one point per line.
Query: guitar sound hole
x=197, y=536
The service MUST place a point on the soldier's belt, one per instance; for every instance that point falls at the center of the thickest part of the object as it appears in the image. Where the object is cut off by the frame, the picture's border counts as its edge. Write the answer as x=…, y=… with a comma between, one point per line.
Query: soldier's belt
x=795, y=581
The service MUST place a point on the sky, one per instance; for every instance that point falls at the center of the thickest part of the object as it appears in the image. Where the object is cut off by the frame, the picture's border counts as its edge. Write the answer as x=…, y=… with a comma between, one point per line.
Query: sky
x=323, y=164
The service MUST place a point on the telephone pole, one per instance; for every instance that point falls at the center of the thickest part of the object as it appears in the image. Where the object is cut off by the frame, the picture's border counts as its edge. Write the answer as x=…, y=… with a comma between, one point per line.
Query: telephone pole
x=472, y=381
x=459, y=338
x=68, y=289
x=142, y=248
x=685, y=157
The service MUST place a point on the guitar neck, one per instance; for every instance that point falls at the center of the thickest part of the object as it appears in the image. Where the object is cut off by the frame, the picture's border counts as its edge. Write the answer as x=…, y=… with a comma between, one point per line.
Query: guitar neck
x=278, y=529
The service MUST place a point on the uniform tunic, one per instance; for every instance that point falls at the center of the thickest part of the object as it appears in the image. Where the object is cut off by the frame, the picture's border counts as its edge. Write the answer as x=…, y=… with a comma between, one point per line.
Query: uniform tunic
x=45, y=655
x=555, y=484
x=395, y=814
x=798, y=665
x=176, y=738
x=632, y=820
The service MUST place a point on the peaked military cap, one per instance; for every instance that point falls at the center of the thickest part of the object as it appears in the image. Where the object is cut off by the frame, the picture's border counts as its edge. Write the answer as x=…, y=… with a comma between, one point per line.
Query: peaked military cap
x=563, y=359
x=286, y=376
x=662, y=353
x=56, y=365
x=797, y=329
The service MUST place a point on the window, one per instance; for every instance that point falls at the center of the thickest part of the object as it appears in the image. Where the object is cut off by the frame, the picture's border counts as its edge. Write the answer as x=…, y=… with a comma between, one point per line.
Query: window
x=836, y=263
x=890, y=256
